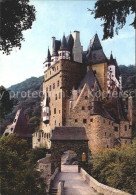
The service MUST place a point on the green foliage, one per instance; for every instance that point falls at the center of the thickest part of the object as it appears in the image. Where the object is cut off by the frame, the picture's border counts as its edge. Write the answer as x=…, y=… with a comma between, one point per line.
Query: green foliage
x=37, y=154
x=128, y=76
x=18, y=170
x=16, y=16
x=30, y=105
x=114, y=14
x=6, y=103
x=116, y=167
x=34, y=123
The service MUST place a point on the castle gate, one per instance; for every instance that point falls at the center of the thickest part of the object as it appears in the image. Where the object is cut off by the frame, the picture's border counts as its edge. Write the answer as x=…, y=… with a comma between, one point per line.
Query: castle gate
x=68, y=138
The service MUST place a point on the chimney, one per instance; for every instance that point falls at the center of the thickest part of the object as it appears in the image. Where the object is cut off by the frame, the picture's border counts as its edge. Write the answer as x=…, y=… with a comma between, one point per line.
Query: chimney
x=76, y=35
x=77, y=48
x=52, y=44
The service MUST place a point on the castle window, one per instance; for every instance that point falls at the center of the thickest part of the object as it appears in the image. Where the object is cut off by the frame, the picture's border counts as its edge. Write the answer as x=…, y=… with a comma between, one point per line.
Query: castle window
x=115, y=128
x=125, y=141
x=14, y=120
x=91, y=120
x=45, y=135
x=54, y=110
x=105, y=133
x=125, y=127
x=86, y=97
x=59, y=124
x=50, y=88
x=50, y=72
x=55, y=123
x=59, y=111
x=46, y=89
x=107, y=146
x=11, y=129
x=109, y=122
x=89, y=107
x=84, y=120
x=59, y=95
x=58, y=83
x=55, y=96
x=76, y=120
x=103, y=121
x=53, y=85
x=110, y=135
x=83, y=108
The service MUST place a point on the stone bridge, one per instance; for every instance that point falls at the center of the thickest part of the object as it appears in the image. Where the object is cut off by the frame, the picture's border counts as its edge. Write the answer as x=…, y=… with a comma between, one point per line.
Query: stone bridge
x=71, y=182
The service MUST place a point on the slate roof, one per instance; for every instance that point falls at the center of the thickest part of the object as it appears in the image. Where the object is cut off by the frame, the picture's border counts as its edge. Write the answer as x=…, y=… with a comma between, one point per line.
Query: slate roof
x=90, y=79
x=64, y=45
x=57, y=44
x=69, y=134
x=70, y=42
x=95, y=52
x=48, y=58
x=19, y=125
x=99, y=109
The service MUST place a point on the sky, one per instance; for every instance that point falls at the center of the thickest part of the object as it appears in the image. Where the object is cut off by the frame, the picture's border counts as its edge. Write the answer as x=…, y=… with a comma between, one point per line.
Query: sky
x=54, y=18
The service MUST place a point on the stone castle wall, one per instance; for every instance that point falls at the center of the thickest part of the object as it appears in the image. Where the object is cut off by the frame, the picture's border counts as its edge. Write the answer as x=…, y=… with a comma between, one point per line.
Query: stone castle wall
x=58, y=82
x=100, y=130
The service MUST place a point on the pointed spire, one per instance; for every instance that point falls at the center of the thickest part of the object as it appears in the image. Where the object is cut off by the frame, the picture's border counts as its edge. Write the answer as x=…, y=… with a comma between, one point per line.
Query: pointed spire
x=63, y=43
x=96, y=44
x=111, y=56
x=48, y=58
x=111, y=61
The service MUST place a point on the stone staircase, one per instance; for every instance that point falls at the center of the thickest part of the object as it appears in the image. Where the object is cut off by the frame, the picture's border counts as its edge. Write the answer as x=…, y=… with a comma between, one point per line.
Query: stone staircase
x=53, y=191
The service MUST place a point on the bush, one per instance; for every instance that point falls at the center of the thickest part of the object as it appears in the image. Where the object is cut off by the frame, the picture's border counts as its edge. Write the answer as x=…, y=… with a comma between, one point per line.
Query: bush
x=116, y=167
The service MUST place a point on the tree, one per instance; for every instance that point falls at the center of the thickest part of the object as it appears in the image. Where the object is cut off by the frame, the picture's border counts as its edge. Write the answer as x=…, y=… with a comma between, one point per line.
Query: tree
x=114, y=14
x=18, y=170
x=16, y=16
x=6, y=103
x=116, y=167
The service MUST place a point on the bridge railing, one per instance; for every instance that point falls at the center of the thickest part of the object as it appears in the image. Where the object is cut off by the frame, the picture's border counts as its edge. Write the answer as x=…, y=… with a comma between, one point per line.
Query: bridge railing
x=60, y=188
x=52, y=178
x=99, y=187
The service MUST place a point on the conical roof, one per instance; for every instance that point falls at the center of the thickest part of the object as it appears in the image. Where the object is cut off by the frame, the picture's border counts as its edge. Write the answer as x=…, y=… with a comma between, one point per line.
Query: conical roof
x=95, y=43
x=112, y=60
x=70, y=42
x=95, y=52
x=64, y=44
x=48, y=59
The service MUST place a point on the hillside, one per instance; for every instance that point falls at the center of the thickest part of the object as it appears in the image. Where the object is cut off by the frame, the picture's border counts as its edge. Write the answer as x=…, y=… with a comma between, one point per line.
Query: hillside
x=31, y=105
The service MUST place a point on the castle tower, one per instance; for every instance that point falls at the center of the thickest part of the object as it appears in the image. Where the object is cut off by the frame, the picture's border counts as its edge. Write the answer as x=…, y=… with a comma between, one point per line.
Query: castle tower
x=77, y=48
x=98, y=61
x=47, y=62
x=63, y=51
x=113, y=76
x=55, y=46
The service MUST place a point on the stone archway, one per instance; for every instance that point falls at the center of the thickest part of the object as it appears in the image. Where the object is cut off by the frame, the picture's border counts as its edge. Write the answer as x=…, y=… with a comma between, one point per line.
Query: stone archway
x=68, y=138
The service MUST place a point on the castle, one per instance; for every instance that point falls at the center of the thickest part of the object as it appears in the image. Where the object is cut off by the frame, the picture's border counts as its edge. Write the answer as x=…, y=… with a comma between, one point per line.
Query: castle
x=73, y=83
